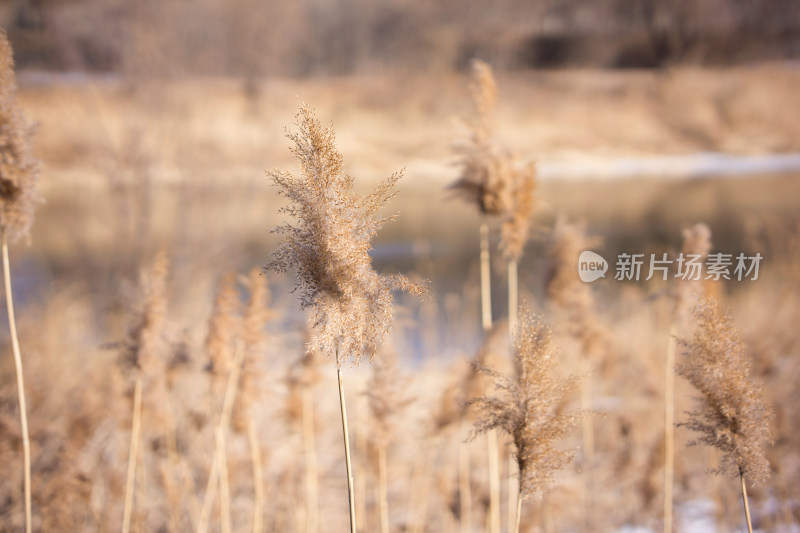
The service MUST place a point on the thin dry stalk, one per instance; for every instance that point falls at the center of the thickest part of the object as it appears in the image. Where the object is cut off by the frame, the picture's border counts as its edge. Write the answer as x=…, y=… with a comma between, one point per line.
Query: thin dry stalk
x=224, y=486
x=746, y=505
x=669, y=428
x=23, y=409
x=513, y=490
x=258, y=477
x=492, y=450
x=217, y=466
x=486, y=280
x=464, y=488
x=310, y=452
x=347, y=453
x=383, y=489
x=132, y=455
x=513, y=297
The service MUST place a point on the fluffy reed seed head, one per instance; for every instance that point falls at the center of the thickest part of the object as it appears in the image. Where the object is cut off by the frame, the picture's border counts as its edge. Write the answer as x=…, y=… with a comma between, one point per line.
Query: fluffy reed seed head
x=516, y=224
x=529, y=407
x=386, y=391
x=731, y=415
x=301, y=378
x=145, y=347
x=483, y=91
x=696, y=242
x=572, y=298
x=468, y=381
x=486, y=173
x=256, y=314
x=19, y=170
x=491, y=177
x=330, y=246
x=223, y=327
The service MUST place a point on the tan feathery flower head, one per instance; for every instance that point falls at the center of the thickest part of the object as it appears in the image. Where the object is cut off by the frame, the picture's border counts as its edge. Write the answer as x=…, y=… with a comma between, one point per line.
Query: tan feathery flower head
x=388, y=397
x=731, y=416
x=486, y=173
x=529, y=407
x=19, y=170
x=516, y=224
x=146, y=345
x=483, y=90
x=256, y=315
x=696, y=242
x=330, y=246
x=223, y=327
x=572, y=298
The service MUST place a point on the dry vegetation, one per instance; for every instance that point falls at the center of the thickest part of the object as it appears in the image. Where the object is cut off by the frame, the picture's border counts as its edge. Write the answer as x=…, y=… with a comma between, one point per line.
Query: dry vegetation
x=166, y=395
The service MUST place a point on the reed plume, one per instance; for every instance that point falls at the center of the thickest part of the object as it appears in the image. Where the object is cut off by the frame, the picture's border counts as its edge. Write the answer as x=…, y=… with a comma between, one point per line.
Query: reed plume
x=528, y=409
x=223, y=330
x=19, y=170
x=485, y=172
x=731, y=415
x=329, y=248
x=19, y=195
x=515, y=226
x=696, y=245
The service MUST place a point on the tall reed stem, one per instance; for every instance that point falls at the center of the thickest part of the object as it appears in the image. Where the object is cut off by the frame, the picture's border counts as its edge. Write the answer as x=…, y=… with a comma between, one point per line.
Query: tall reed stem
x=309, y=443
x=258, y=478
x=746, y=505
x=669, y=428
x=486, y=279
x=360, y=488
x=587, y=430
x=486, y=315
x=217, y=469
x=350, y=494
x=519, y=512
x=224, y=487
x=513, y=489
x=494, y=482
x=23, y=409
x=513, y=297
x=383, y=489
x=132, y=455
x=464, y=489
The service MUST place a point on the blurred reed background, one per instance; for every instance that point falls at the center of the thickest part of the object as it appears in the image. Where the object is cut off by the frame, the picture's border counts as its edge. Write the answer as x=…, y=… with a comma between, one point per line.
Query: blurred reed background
x=155, y=125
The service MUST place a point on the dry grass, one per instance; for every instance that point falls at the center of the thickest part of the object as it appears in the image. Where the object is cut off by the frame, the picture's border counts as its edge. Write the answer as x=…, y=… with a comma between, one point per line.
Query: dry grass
x=199, y=201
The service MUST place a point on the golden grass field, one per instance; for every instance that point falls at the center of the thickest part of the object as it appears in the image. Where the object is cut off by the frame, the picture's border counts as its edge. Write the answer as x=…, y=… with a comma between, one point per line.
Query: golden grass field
x=133, y=169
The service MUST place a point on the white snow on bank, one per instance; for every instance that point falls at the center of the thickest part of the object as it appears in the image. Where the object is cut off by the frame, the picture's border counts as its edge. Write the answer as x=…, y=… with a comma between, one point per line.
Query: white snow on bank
x=703, y=164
